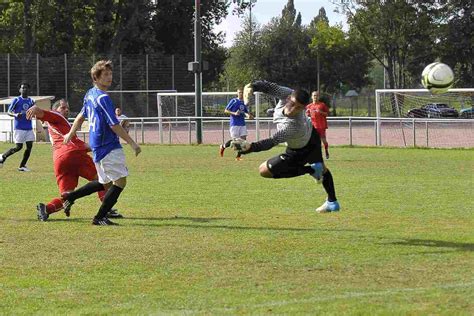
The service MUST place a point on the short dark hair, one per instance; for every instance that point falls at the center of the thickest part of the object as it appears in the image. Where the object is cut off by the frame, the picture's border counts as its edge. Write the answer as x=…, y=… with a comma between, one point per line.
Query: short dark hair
x=24, y=83
x=302, y=96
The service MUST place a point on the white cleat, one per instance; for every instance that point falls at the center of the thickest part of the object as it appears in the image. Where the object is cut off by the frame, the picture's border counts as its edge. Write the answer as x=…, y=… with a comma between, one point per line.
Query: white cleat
x=329, y=207
x=1, y=160
x=24, y=169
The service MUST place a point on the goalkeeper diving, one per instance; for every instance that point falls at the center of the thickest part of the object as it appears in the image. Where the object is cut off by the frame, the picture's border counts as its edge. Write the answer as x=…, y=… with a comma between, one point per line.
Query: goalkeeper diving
x=303, y=152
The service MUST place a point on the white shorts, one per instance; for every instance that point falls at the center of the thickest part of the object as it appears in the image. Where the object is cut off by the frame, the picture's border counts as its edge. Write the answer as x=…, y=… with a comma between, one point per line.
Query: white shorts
x=21, y=136
x=238, y=131
x=112, y=167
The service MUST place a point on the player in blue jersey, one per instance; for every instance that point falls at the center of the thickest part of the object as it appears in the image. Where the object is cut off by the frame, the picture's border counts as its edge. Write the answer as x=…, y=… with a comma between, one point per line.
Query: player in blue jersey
x=238, y=111
x=23, y=128
x=104, y=133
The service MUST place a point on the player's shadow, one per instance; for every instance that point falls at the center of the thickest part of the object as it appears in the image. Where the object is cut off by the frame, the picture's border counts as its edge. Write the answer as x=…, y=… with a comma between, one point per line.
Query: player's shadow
x=457, y=246
x=177, y=218
x=207, y=220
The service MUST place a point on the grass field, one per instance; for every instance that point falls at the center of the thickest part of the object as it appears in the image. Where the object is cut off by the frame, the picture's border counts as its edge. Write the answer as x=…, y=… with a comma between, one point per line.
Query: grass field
x=208, y=235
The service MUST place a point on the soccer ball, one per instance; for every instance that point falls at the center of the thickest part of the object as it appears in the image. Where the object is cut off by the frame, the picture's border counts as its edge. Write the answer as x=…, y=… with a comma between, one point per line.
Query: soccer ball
x=437, y=77
x=239, y=144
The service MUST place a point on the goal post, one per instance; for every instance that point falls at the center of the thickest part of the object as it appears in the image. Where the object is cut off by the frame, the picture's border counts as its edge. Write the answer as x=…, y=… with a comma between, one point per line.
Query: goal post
x=140, y=100
x=180, y=105
x=399, y=111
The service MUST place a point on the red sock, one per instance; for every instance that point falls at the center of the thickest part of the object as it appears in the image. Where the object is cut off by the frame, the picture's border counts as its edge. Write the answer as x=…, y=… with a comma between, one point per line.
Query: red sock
x=54, y=206
x=101, y=194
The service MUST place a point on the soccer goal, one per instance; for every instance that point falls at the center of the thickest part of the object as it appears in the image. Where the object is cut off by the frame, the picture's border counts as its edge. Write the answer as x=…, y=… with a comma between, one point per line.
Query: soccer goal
x=415, y=117
x=137, y=103
x=182, y=105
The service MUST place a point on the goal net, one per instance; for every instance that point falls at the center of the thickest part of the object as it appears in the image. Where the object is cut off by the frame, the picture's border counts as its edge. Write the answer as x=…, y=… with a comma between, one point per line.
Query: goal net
x=137, y=103
x=415, y=117
x=182, y=104
x=174, y=108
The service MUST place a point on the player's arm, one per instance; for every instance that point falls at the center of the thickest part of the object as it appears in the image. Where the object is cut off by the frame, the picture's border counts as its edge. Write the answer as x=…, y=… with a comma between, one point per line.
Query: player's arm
x=11, y=109
x=271, y=89
x=35, y=111
x=229, y=107
x=74, y=128
x=279, y=137
x=248, y=115
x=122, y=133
x=108, y=107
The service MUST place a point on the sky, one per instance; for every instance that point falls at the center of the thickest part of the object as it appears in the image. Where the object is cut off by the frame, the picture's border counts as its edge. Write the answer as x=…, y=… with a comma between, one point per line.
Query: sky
x=265, y=10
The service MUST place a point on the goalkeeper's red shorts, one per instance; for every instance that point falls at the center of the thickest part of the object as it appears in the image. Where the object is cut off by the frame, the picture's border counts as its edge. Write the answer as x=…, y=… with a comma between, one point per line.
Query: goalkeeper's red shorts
x=72, y=165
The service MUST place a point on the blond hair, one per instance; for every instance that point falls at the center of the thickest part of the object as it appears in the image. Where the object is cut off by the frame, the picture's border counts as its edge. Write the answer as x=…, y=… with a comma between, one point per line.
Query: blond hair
x=99, y=67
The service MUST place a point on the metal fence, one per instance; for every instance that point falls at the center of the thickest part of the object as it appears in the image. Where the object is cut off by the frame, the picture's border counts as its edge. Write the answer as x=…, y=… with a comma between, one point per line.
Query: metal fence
x=354, y=131
x=68, y=76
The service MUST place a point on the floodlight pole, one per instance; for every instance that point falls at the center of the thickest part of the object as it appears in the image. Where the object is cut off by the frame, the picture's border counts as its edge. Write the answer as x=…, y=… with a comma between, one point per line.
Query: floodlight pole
x=198, y=71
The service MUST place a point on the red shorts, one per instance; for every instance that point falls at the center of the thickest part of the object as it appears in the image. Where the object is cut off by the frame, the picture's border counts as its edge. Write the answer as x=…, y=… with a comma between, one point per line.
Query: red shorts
x=321, y=132
x=69, y=167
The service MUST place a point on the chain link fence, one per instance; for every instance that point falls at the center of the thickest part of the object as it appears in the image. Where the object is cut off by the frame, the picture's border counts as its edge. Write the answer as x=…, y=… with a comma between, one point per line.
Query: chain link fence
x=67, y=76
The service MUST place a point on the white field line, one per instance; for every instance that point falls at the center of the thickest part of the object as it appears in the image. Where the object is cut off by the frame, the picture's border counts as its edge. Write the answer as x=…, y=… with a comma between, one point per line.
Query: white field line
x=348, y=295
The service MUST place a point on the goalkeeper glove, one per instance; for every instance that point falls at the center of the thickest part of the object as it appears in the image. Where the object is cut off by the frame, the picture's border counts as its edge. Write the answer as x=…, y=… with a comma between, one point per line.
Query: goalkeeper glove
x=240, y=145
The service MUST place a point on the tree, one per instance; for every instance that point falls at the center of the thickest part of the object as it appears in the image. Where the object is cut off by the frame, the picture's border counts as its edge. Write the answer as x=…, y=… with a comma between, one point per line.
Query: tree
x=342, y=58
x=285, y=51
x=455, y=46
x=243, y=62
x=394, y=33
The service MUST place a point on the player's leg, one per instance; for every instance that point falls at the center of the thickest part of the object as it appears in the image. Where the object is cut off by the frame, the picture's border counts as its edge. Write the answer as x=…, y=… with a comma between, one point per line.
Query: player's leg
x=322, y=135
x=66, y=179
x=70, y=197
x=243, y=135
x=222, y=147
x=26, y=156
x=110, y=198
x=234, y=133
x=283, y=166
x=88, y=171
x=322, y=174
x=11, y=151
x=112, y=169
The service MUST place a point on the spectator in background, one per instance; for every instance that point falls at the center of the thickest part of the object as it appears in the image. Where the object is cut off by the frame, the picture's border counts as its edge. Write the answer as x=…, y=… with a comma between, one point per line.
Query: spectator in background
x=123, y=119
x=23, y=128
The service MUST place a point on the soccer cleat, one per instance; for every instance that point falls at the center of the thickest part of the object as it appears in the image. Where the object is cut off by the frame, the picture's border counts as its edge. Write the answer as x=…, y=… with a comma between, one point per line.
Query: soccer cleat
x=221, y=150
x=238, y=158
x=67, y=204
x=113, y=213
x=318, y=171
x=1, y=160
x=329, y=207
x=24, y=169
x=42, y=213
x=103, y=222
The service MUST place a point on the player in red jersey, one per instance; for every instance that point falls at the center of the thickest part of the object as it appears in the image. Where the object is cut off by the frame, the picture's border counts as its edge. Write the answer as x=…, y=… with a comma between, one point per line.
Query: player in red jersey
x=71, y=160
x=318, y=111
